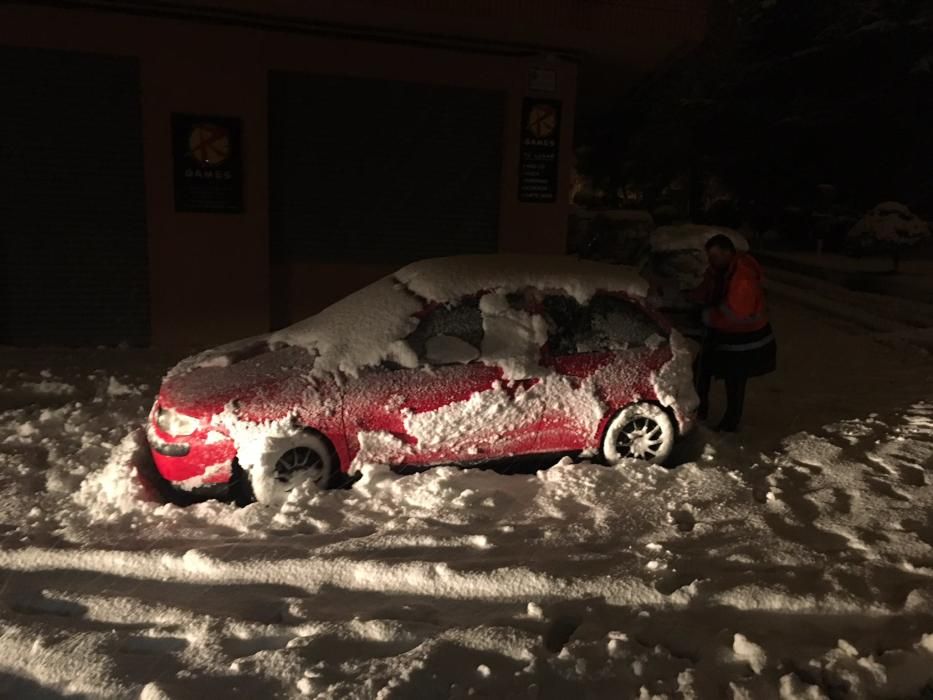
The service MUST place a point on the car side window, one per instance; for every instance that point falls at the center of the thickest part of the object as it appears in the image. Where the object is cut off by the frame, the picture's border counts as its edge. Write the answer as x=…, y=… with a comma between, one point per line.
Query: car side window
x=607, y=323
x=449, y=334
x=566, y=319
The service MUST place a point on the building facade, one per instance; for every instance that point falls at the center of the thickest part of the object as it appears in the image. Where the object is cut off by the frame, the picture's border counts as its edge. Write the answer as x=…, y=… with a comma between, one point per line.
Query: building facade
x=182, y=175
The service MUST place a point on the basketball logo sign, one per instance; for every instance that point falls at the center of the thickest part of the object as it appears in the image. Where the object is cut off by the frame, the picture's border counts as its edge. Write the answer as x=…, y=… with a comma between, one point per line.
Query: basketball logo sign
x=542, y=121
x=540, y=150
x=208, y=158
x=209, y=144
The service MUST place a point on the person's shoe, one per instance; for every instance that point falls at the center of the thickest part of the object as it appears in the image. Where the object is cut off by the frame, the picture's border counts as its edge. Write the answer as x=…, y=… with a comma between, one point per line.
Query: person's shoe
x=727, y=425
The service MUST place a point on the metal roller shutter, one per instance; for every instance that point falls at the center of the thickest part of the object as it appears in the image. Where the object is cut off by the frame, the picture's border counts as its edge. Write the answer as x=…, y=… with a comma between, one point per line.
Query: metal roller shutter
x=73, y=260
x=386, y=171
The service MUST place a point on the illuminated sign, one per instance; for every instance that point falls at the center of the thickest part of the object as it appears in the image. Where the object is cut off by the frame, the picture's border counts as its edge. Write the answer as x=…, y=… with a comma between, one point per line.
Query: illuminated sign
x=208, y=163
x=540, y=147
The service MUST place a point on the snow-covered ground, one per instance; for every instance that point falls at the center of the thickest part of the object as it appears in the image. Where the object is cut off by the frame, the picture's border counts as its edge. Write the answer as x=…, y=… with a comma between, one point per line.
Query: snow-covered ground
x=913, y=282
x=793, y=560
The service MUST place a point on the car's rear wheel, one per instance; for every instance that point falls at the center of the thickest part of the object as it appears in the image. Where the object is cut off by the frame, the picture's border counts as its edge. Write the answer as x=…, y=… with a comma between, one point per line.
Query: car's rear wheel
x=289, y=462
x=639, y=431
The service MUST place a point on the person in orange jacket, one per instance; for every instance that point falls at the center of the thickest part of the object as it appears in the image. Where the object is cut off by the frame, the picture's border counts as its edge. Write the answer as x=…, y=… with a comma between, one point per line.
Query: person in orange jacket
x=739, y=342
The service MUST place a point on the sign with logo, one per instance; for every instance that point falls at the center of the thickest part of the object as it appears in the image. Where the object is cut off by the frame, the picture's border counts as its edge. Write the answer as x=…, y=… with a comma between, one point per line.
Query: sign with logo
x=540, y=146
x=208, y=163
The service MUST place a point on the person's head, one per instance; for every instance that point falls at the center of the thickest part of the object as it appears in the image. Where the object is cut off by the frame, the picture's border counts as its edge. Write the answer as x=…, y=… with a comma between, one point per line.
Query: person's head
x=719, y=251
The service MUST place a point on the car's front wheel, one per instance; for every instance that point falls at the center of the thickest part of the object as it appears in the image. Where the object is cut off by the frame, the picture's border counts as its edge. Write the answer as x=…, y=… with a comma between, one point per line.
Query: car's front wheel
x=289, y=462
x=639, y=431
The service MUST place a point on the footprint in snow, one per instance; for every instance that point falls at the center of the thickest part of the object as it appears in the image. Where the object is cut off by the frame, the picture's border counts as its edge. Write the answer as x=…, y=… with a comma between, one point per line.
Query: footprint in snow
x=559, y=633
x=843, y=501
x=883, y=488
x=923, y=530
x=673, y=582
x=42, y=605
x=911, y=475
x=153, y=645
x=683, y=519
x=240, y=648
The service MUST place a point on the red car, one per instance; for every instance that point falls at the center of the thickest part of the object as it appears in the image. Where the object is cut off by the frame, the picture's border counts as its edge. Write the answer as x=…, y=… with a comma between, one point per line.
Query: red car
x=456, y=360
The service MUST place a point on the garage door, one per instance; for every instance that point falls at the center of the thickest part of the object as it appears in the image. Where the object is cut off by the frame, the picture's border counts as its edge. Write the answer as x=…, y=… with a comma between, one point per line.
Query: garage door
x=73, y=264
x=380, y=171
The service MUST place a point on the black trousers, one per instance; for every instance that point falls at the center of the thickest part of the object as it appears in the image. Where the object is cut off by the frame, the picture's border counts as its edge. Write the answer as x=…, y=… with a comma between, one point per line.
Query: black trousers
x=735, y=392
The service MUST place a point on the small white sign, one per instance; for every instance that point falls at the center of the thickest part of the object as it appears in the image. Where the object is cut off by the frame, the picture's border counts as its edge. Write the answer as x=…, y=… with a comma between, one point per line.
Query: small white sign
x=542, y=80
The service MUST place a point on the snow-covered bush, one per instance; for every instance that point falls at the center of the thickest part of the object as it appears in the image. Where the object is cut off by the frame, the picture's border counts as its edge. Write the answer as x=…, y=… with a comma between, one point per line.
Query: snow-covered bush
x=887, y=228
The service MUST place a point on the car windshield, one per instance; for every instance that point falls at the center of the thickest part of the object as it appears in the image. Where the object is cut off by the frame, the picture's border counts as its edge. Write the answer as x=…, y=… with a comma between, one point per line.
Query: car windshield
x=360, y=330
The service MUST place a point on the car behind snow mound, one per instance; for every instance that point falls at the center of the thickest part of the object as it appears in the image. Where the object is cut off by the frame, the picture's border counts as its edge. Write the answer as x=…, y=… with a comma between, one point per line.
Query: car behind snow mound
x=456, y=360
x=674, y=263
x=884, y=228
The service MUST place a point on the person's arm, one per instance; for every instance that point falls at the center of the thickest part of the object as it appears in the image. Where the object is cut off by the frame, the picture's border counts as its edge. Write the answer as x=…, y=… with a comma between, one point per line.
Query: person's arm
x=704, y=293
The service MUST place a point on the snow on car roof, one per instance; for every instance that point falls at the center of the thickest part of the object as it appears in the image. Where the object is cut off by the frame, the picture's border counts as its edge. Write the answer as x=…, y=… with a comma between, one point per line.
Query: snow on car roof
x=367, y=327
x=892, y=208
x=691, y=237
x=448, y=279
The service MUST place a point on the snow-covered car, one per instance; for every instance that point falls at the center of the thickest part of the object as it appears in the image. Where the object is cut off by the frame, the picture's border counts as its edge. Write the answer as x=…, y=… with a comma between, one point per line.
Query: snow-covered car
x=674, y=262
x=448, y=361
x=608, y=235
x=884, y=228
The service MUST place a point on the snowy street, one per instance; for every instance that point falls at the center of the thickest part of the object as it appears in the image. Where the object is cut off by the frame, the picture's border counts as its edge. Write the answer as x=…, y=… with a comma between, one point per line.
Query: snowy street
x=792, y=560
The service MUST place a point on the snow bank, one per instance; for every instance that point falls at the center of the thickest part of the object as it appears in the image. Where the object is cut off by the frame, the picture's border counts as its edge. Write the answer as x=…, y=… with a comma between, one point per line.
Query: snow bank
x=800, y=572
x=116, y=489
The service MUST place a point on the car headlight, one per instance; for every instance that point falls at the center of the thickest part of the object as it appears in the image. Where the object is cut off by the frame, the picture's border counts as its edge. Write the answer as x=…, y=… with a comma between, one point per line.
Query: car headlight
x=174, y=423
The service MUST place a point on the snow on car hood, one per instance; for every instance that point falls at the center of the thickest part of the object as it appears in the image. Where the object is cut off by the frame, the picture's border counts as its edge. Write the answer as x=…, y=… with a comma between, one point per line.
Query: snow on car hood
x=358, y=331
x=222, y=375
x=223, y=355
x=691, y=237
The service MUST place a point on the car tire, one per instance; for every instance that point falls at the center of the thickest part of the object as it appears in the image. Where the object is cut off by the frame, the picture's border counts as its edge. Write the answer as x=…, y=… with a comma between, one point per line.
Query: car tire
x=289, y=462
x=639, y=431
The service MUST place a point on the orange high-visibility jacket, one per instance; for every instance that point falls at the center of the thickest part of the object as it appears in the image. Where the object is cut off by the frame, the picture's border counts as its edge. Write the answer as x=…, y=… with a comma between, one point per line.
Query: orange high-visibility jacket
x=742, y=306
